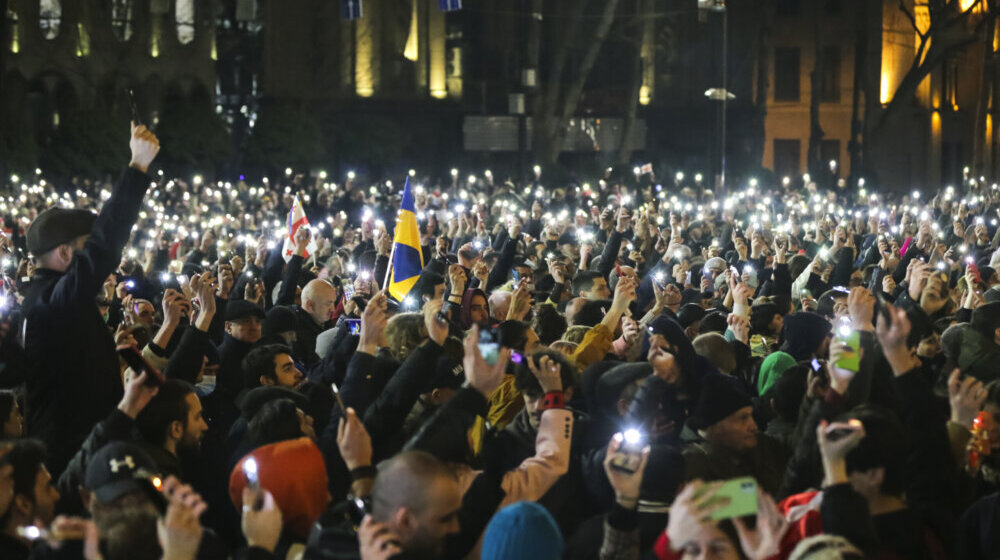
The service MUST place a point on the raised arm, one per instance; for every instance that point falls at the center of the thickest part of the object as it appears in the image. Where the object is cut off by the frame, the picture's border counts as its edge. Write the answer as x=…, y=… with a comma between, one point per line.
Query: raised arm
x=102, y=252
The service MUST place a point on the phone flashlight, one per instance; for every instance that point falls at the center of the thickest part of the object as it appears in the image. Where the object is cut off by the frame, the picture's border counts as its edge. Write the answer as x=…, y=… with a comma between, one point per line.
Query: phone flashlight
x=250, y=471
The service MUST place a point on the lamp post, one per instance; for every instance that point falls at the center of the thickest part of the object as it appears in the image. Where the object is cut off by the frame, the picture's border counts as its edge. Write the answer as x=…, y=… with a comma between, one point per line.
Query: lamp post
x=720, y=94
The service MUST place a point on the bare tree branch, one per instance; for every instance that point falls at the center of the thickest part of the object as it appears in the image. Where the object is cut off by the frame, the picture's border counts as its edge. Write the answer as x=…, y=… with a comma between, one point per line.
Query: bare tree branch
x=913, y=20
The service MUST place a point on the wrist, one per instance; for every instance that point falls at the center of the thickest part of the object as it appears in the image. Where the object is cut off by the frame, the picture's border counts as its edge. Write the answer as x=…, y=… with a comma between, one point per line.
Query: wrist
x=138, y=166
x=255, y=543
x=627, y=502
x=835, y=470
x=554, y=399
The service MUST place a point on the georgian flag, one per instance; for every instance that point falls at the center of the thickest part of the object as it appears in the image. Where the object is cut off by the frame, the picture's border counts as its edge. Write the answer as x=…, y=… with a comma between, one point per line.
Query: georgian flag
x=296, y=219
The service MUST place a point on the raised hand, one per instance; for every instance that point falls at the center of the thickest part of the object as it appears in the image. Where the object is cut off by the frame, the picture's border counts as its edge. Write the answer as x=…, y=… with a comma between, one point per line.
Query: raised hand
x=835, y=441
x=437, y=329
x=144, y=146
x=480, y=375
x=353, y=441
x=626, y=485
x=547, y=372
x=373, y=322
x=261, y=527
x=740, y=325
x=520, y=303
x=377, y=541
x=137, y=394
x=966, y=397
x=764, y=540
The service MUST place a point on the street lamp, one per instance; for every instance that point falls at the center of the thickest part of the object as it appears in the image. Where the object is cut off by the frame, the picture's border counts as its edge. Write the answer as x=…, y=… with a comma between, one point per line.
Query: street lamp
x=722, y=93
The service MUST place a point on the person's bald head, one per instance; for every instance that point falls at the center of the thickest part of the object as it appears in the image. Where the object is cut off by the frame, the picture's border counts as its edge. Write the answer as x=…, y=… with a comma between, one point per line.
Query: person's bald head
x=418, y=496
x=500, y=304
x=319, y=299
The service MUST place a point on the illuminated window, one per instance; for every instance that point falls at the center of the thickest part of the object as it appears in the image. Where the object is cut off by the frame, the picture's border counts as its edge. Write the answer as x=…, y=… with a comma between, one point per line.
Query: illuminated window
x=122, y=19
x=184, y=19
x=49, y=18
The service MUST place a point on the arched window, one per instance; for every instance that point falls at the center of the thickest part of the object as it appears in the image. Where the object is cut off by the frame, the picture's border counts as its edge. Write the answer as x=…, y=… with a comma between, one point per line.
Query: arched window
x=184, y=19
x=122, y=19
x=49, y=18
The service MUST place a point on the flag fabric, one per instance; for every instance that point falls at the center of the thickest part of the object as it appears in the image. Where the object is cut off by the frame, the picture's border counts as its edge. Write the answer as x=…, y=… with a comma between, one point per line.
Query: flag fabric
x=450, y=5
x=350, y=9
x=296, y=219
x=407, y=256
x=646, y=169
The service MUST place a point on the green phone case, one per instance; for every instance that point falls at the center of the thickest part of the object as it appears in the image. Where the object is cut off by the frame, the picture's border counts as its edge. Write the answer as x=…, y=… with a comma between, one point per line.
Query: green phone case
x=850, y=361
x=742, y=494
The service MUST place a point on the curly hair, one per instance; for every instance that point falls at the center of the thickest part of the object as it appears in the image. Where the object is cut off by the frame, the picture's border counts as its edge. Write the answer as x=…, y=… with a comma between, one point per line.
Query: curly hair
x=405, y=332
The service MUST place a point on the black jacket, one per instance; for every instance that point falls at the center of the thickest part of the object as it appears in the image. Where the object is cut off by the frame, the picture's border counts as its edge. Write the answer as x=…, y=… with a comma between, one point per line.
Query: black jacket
x=74, y=378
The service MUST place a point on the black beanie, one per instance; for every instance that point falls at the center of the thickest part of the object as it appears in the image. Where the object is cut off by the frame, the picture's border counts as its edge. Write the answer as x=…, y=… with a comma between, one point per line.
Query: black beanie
x=721, y=396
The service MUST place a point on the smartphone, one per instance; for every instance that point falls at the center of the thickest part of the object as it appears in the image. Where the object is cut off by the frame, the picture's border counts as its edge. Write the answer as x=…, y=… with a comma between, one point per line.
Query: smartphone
x=357, y=508
x=353, y=326
x=133, y=108
x=849, y=361
x=742, y=496
x=974, y=270
x=517, y=277
x=489, y=346
x=134, y=359
x=687, y=278
x=629, y=454
x=736, y=274
x=336, y=395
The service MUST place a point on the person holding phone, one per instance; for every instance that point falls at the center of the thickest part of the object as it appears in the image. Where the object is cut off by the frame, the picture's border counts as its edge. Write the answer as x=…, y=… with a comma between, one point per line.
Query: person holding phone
x=69, y=348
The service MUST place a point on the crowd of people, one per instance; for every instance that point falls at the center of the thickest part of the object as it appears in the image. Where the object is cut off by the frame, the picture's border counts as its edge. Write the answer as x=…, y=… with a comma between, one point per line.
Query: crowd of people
x=617, y=370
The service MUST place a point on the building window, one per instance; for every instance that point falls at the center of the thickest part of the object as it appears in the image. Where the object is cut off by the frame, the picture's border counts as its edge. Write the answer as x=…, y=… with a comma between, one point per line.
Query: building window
x=184, y=19
x=786, y=74
x=49, y=18
x=122, y=19
x=829, y=88
x=787, y=155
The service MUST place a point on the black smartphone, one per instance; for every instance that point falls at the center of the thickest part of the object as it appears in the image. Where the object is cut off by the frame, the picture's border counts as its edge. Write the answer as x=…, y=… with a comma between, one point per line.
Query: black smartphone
x=353, y=326
x=133, y=358
x=133, y=108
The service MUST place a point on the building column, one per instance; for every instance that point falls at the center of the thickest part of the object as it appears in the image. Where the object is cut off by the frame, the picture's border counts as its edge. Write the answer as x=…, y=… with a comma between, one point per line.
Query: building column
x=436, y=35
x=366, y=61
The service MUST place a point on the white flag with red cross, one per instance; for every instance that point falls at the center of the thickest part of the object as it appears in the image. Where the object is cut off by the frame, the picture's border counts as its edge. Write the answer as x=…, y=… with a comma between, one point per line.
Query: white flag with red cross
x=296, y=219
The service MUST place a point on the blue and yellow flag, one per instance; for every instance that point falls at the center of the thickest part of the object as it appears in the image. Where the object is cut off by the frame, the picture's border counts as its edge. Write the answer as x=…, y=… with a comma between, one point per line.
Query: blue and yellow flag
x=407, y=257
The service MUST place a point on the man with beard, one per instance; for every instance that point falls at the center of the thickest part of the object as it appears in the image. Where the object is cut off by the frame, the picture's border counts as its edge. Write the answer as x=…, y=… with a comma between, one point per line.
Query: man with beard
x=170, y=424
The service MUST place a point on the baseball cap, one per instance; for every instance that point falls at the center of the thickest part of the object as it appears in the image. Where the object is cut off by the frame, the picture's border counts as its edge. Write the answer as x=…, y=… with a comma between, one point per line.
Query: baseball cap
x=121, y=468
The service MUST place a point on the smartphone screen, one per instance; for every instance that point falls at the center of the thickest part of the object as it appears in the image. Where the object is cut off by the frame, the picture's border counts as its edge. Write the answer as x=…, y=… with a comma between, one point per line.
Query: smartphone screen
x=850, y=361
x=354, y=326
x=488, y=346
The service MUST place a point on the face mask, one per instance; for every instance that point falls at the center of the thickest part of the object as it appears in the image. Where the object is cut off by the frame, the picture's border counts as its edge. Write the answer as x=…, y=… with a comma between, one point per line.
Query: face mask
x=206, y=386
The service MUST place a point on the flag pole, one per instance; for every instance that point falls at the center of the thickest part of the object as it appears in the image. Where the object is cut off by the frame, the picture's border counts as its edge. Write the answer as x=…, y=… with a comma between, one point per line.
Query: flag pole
x=388, y=268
